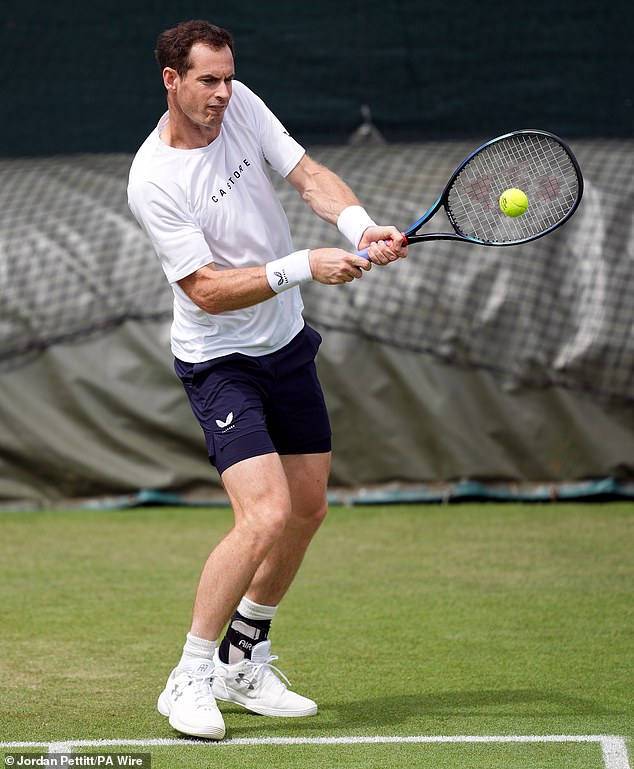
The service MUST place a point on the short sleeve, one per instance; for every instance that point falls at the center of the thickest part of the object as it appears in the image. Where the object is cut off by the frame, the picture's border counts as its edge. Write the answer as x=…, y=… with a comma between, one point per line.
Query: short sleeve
x=177, y=239
x=280, y=149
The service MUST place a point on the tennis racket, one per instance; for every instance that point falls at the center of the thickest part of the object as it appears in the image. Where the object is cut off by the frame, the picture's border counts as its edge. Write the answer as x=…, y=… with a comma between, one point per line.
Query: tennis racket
x=536, y=162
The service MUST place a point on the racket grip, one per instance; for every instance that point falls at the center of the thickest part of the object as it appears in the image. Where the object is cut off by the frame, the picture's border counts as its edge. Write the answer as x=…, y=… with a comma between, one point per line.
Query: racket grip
x=364, y=251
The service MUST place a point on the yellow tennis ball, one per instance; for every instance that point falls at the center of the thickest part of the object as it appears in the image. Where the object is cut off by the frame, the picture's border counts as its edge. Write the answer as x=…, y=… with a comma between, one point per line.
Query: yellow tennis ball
x=513, y=202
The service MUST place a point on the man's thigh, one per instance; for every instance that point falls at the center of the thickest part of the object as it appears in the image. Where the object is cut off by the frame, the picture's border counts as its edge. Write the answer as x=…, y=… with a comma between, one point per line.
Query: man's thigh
x=307, y=478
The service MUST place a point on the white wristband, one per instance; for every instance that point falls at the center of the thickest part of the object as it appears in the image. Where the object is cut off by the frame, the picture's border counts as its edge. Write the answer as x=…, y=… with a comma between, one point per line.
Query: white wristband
x=289, y=271
x=353, y=221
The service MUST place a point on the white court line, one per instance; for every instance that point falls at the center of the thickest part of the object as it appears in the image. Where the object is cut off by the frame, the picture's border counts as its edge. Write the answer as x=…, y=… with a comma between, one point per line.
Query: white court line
x=613, y=747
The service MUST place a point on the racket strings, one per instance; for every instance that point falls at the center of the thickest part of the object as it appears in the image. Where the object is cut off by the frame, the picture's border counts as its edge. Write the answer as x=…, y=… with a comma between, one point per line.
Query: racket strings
x=538, y=165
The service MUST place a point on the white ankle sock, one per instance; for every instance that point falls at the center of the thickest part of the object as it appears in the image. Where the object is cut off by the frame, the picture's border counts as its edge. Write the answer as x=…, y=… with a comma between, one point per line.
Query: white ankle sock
x=252, y=610
x=197, y=648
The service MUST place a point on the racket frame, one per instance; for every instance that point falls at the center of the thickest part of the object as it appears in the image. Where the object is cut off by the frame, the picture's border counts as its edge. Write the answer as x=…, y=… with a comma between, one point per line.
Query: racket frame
x=411, y=235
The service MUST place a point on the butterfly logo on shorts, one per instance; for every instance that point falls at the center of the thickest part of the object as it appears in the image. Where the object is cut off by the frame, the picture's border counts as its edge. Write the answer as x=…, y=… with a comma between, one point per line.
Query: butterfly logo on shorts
x=222, y=425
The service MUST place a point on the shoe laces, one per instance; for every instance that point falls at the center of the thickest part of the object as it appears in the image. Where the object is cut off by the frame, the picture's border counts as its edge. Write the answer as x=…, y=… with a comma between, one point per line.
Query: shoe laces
x=220, y=674
x=266, y=666
x=202, y=692
x=261, y=668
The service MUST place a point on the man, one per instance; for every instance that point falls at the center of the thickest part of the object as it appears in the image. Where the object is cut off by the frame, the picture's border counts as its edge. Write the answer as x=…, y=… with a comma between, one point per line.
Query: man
x=199, y=188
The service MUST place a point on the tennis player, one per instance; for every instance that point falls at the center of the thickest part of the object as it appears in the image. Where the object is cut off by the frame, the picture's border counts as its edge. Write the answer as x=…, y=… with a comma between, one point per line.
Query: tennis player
x=200, y=189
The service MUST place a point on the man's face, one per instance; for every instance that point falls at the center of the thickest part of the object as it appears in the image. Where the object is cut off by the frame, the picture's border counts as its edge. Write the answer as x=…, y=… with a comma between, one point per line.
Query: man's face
x=203, y=93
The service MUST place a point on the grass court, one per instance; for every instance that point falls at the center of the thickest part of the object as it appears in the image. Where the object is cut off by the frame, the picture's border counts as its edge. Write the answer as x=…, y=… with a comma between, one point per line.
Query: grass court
x=468, y=636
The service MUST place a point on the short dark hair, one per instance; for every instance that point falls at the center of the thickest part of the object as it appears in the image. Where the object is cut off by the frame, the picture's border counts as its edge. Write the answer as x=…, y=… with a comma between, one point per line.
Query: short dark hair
x=174, y=45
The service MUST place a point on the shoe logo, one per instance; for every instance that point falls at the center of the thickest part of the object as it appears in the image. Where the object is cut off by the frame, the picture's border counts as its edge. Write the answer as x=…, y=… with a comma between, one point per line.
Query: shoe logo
x=242, y=679
x=176, y=693
x=227, y=424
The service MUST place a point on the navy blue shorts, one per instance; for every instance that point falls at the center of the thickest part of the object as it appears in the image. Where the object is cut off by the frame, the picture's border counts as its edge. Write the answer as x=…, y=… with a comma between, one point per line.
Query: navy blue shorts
x=248, y=406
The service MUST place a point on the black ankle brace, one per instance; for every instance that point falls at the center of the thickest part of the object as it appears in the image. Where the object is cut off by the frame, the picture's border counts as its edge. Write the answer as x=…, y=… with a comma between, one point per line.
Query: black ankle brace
x=241, y=636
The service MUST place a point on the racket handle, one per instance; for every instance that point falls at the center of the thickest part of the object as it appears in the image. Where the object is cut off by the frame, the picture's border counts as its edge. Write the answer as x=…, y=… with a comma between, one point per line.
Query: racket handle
x=364, y=251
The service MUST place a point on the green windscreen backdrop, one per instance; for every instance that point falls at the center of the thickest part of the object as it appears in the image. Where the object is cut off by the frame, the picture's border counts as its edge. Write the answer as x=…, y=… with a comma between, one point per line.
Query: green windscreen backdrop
x=81, y=77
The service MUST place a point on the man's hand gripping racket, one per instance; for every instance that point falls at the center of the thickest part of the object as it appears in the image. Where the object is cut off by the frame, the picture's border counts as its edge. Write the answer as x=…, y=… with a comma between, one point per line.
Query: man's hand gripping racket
x=513, y=189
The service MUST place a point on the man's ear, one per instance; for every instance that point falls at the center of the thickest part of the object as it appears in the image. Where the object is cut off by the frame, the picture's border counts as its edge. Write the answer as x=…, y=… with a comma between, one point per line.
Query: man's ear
x=170, y=76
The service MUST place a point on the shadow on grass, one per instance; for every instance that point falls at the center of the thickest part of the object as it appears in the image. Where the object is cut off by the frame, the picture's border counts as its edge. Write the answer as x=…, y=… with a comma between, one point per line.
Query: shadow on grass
x=393, y=712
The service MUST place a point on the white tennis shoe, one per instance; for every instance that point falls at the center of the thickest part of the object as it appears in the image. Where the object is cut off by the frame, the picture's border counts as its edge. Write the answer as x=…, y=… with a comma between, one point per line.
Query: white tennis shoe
x=189, y=703
x=254, y=685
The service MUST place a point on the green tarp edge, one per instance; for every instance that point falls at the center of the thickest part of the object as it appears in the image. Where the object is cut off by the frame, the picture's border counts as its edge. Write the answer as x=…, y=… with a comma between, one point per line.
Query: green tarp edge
x=601, y=490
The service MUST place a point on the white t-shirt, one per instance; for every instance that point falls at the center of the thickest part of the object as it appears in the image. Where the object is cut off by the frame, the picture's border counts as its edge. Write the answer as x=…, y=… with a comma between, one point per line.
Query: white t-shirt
x=217, y=204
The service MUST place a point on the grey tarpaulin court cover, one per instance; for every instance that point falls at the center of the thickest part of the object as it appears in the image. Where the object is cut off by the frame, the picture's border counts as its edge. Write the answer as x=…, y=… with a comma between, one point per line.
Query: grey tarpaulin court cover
x=497, y=365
